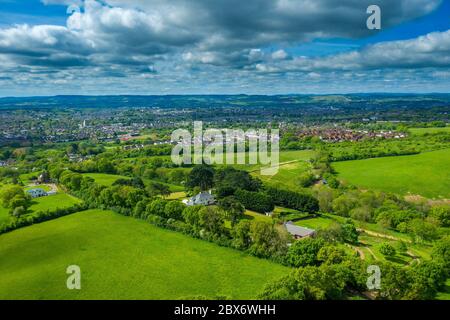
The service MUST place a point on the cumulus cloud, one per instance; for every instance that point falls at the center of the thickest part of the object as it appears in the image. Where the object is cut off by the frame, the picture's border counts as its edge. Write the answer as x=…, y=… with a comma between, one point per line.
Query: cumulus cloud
x=189, y=40
x=431, y=50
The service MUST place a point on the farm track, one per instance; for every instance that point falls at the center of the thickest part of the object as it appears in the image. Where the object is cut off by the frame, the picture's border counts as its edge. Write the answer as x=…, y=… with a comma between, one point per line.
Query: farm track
x=361, y=253
x=280, y=164
x=382, y=235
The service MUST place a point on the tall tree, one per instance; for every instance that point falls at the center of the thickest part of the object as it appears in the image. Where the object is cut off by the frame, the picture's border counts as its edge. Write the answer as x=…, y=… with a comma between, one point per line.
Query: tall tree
x=201, y=176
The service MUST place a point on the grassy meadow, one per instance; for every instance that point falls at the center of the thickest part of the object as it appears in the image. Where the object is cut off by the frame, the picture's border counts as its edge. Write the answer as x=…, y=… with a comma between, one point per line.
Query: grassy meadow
x=58, y=201
x=425, y=174
x=123, y=258
x=292, y=165
x=105, y=179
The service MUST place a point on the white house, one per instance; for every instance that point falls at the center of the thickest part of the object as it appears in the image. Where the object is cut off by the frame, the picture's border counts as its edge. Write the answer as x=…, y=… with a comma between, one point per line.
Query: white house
x=37, y=193
x=202, y=199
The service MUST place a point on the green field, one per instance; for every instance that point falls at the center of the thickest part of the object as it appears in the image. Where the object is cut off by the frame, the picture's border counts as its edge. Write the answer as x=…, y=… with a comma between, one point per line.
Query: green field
x=25, y=177
x=284, y=157
x=425, y=174
x=123, y=258
x=287, y=176
x=318, y=223
x=108, y=180
x=105, y=179
x=172, y=187
x=57, y=201
x=292, y=165
x=422, y=131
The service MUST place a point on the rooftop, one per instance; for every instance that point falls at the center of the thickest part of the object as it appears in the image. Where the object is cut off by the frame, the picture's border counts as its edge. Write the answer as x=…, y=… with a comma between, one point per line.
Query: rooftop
x=298, y=231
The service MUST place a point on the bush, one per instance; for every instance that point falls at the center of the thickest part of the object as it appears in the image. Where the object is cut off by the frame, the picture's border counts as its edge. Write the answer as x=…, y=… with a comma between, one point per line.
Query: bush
x=174, y=210
x=387, y=250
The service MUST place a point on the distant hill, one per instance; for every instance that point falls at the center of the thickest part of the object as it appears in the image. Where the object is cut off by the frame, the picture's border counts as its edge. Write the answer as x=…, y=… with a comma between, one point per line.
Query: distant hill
x=200, y=101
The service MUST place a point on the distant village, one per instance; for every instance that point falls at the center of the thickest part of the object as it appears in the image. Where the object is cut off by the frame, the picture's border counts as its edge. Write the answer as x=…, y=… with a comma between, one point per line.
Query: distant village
x=342, y=134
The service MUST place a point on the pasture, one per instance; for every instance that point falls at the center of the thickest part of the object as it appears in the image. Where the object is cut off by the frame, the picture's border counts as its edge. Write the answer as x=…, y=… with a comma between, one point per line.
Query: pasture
x=287, y=176
x=51, y=203
x=105, y=179
x=318, y=223
x=124, y=258
x=425, y=174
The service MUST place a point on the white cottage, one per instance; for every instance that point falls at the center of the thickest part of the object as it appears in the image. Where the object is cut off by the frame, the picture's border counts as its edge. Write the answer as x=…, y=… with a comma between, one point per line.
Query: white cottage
x=202, y=199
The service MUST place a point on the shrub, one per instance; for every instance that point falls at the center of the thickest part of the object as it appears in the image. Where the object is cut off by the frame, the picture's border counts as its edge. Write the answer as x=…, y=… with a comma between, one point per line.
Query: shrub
x=387, y=250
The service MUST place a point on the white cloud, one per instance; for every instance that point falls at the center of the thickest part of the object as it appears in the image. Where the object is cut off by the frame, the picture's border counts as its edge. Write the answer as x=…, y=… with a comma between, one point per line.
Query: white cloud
x=188, y=43
x=431, y=50
x=279, y=55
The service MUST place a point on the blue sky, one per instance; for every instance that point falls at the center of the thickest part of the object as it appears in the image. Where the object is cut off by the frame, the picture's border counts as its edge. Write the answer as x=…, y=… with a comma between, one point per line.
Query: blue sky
x=222, y=46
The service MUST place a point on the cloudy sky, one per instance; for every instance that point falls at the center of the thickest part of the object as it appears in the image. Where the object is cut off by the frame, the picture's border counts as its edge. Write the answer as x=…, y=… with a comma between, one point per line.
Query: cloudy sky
x=50, y=47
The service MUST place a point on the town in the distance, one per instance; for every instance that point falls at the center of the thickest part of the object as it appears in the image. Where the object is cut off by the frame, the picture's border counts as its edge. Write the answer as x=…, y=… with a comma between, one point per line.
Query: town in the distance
x=87, y=183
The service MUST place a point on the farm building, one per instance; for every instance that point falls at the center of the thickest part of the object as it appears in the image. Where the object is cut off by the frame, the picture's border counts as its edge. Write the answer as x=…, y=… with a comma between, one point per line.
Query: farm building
x=202, y=199
x=299, y=232
x=37, y=193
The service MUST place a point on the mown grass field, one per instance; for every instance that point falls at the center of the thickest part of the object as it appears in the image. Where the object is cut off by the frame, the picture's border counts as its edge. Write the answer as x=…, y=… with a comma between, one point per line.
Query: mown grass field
x=425, y=174
x=57, y=201
x=319, y=223
x=123, y=258
x=292, y=165
x=287, y=177
x=105, y=179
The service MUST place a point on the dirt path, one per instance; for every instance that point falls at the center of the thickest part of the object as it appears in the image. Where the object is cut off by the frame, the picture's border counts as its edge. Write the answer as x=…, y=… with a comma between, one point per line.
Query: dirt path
x=361, y=253
x=382, y=235
x=280, y=164
x=371, y=252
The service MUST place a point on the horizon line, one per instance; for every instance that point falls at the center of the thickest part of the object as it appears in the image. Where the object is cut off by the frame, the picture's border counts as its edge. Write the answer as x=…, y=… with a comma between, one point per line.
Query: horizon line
x=227, y=94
